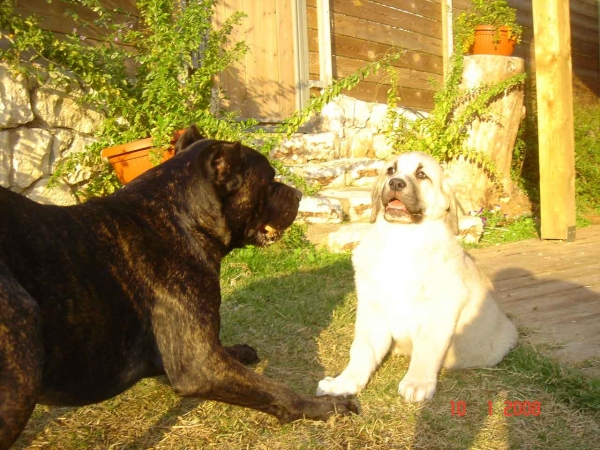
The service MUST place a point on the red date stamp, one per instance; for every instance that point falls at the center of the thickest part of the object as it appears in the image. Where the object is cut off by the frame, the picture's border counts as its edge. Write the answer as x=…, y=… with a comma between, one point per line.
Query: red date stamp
x=511, y=408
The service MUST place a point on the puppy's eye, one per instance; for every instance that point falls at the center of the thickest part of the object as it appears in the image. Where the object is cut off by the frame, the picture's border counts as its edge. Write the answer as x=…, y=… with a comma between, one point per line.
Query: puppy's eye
x=391, y=170
x=421, y=175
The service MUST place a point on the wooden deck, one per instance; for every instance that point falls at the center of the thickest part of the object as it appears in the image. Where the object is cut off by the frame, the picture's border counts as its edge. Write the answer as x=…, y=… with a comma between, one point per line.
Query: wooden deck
x=552, y=288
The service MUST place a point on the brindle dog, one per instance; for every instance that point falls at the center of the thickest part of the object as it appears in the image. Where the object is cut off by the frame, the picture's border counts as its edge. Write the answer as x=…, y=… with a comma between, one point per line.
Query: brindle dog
x=94, y=297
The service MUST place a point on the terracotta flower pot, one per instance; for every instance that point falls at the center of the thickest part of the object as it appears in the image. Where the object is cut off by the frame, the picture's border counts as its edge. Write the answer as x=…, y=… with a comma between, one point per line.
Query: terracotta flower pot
x=132, y=159
x=484, y=41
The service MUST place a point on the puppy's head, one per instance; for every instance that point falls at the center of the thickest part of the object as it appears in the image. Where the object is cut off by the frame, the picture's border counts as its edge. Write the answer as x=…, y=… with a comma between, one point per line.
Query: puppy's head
x=412, y=188
x=256, y=208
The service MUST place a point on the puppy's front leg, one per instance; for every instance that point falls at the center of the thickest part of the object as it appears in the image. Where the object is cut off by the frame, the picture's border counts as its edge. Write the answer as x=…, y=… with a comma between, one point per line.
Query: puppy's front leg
x=429, y=350
x=371, y=343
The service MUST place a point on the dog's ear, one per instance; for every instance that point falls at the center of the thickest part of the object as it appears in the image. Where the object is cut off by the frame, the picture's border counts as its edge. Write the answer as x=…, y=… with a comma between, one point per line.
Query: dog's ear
x=227, y=165
x=452, y=212
x=189, y=136
x=376, y=198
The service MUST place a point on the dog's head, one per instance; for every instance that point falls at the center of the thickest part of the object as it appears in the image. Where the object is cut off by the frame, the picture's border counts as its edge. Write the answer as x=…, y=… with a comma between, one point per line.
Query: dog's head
x=412, y=188
x=239, y=183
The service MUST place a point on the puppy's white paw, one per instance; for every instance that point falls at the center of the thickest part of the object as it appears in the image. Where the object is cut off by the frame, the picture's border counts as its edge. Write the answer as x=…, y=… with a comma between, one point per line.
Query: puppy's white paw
x=340, y=386
x=414, y=390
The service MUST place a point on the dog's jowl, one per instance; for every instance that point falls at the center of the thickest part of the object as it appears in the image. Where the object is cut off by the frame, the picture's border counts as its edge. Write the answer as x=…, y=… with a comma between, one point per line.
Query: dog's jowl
x=94, y=297
x=418, y=292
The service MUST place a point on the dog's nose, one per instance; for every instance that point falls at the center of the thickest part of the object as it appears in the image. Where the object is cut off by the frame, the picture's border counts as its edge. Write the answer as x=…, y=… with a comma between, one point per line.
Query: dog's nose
x=397, y=184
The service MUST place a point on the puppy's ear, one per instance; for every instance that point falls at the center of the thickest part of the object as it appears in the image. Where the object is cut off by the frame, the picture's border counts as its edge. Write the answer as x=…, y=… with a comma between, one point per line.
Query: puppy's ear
x=189, y=136
x=376, y=198
x=227, y=165
x=451, y=218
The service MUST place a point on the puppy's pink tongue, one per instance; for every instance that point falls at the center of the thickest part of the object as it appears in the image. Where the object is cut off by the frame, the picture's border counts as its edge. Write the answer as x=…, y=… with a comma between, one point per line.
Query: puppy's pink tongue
x=396, y=204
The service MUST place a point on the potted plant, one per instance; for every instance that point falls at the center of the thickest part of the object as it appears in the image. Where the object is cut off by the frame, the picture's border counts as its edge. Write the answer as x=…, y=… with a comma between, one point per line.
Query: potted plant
x=134, y=158
x=489, y=28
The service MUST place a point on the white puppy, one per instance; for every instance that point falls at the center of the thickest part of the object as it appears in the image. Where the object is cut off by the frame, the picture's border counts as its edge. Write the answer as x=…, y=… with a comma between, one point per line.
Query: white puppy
x=418, y=291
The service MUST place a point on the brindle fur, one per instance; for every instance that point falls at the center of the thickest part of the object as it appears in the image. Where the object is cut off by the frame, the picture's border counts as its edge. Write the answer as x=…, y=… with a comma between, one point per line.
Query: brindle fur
x=95, y=297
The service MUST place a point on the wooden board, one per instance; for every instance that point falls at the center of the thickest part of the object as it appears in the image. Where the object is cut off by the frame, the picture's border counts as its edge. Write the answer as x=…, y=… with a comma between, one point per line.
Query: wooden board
x=551, y=289
x=262, y=86
x=53, y=18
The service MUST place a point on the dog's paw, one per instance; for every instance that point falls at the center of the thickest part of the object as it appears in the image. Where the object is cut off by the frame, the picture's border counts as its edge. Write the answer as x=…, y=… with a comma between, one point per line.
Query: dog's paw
x=243, y=353
x=342, y=406
x=319, y=408
x=414, y=390
x=340, y=386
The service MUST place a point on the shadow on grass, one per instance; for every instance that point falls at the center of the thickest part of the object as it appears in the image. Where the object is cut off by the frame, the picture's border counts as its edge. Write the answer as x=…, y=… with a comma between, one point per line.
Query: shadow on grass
x=156, y=433
x=283, y=315
x=529, y=397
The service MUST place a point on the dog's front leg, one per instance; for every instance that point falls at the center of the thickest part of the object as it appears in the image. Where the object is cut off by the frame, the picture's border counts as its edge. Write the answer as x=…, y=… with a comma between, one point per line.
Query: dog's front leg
x=372, y=339
x=243, y=353
x=198, y=365
x=430, y=345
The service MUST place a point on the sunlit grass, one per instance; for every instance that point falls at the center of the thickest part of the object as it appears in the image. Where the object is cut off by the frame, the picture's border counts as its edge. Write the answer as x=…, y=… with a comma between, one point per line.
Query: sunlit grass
x=297, y=307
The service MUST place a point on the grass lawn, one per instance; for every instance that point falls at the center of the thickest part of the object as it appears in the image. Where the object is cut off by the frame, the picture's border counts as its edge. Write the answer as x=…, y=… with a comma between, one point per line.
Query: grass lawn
x=297, y=306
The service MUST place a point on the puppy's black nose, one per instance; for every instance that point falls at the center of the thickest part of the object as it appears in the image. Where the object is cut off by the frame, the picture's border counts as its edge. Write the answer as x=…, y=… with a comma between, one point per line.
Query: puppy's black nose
x=397, y=184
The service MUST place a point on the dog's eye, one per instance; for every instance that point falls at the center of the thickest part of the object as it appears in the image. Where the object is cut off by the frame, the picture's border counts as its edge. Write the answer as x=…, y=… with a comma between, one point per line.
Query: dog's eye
x=391, y=170
x=421, y=175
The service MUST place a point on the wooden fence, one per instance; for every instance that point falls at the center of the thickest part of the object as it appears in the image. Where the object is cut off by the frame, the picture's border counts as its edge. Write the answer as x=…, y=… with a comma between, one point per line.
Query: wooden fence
x=266, y=84
x=365, y=30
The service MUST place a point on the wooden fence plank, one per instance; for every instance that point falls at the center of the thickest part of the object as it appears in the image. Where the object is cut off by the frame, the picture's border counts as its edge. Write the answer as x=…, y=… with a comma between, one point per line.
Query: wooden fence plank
x=286, y=59
x=370, y=51
x=52, y=16
x=410, y=98
x=414, y=79
x=385, y=34
x=376, y=12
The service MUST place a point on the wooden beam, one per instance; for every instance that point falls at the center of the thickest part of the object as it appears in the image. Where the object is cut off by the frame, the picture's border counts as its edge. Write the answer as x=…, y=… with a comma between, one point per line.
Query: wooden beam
x=301, y=53
x=447, y=34
x=324, y=28
x=555, y=118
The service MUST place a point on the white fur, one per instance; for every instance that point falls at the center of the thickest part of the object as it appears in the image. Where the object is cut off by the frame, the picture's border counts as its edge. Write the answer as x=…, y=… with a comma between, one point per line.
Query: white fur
x=420, y=294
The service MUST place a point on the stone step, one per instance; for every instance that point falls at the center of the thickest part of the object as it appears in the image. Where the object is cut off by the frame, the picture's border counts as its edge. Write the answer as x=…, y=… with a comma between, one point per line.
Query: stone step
x=336, y=206
x=339, y=173
x=342, y=237
x=336, y=237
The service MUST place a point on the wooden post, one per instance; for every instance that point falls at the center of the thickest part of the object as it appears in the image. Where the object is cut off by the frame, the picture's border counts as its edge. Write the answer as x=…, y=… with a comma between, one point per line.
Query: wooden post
x=301, y=53
x=447, y=34
x=325, y=57
x=552, y=36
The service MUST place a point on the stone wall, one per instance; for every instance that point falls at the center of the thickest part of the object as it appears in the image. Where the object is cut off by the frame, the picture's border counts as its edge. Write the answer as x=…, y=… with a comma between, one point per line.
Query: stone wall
x=40, y=124
x=341, y=147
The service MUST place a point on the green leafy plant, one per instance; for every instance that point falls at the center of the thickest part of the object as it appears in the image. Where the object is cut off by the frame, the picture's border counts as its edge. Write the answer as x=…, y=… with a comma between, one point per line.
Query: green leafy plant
x=485, y=12
x=587, y=158
x=150, y=77
x=442, y=133
x=175, y=54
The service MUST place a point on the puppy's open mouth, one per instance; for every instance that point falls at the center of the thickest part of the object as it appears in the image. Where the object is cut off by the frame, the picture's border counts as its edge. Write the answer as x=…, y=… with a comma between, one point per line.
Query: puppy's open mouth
x=396, y=208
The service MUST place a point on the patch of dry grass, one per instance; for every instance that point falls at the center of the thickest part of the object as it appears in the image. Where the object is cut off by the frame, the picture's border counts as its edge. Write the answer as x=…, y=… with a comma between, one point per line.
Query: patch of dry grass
x=297, y=308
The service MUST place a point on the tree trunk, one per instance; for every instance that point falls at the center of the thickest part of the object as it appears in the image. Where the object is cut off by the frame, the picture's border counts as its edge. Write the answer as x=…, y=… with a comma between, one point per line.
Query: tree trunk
x=494, y=137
